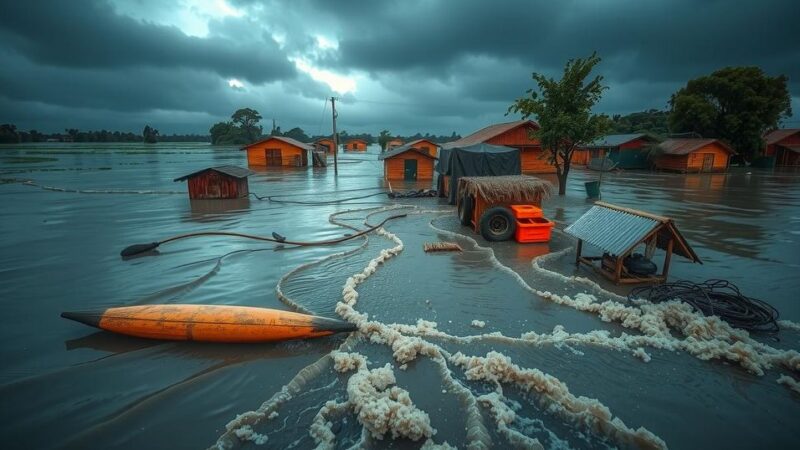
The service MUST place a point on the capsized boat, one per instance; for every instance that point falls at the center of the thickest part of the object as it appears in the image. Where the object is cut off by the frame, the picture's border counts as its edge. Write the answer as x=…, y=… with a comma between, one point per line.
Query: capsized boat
x=210, y=323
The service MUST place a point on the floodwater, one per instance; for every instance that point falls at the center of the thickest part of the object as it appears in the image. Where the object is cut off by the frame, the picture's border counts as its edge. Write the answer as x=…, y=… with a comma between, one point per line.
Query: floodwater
x=65, y=385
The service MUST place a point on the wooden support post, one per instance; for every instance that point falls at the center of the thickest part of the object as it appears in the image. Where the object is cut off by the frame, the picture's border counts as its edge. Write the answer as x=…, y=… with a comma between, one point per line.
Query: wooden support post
x=618, y=271
x=665, y=271
x=578, y=252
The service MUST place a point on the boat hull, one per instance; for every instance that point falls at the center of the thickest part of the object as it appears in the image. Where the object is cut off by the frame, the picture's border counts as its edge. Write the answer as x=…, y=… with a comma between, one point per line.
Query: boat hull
x=210, y=323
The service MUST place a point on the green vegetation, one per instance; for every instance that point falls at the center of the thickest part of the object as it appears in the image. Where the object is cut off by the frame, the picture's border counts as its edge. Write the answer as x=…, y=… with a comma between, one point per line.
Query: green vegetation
x=149, y=135
x=653, y=121
x=384, y=139
x=242, y=129
x=736, y=104
x=563, y=109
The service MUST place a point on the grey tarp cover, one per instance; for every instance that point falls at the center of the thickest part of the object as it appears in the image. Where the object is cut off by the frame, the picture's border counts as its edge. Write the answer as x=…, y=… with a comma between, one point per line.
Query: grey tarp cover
x=475, y=161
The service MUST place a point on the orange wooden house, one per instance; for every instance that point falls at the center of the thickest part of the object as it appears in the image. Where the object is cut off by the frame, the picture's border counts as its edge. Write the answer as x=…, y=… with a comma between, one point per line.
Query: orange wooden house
x=355, y=145
x=425, y=146
x=394, y=143
x=278, y=151
x=627, y=151
x=325, y=144
x=693, y=155
x=512, y=134
x=784, y=146
x=408, y=163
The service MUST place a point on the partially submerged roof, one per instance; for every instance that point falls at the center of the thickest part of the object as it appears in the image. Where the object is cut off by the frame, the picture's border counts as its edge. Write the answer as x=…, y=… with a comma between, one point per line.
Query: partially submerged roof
x=357, y=140
x=617, y=230
x=233, y=171
x=688, y=145
x=507, y=188
x=615, y=140
x=411, y=146
x=285, y=139
x=775, y=136
x=484, y=134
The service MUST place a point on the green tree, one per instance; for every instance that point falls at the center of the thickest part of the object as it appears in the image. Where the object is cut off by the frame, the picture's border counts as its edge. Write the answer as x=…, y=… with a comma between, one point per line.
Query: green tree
x=298, y=134
x=9, y=134
x=736, y=104
x=226, y=133
x=563, y=109
x=384, y=139
x=247, y=120
x=149, y=135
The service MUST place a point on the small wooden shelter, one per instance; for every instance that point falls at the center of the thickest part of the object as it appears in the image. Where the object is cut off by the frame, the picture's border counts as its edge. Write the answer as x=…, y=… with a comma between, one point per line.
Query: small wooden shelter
x=394, y=143
x=625, y=151
x=784, y=146
x=325, y=144
x=407, y=163
x=355, y=145
x=477, y=194
x=617, y=232
x=278, y=151
x=693, y=155
x=221, y=182
x=517, y=135
x=425, y=146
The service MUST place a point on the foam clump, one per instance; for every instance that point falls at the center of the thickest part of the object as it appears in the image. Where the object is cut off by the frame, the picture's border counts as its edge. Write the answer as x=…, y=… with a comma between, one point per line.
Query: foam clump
x=478, y=323
x=246, y=433
x=790, y=382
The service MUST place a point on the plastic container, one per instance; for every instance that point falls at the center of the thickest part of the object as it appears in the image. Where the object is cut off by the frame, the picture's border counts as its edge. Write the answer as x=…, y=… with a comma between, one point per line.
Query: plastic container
x=533, y=229
x=592, y=189
x=526, y=211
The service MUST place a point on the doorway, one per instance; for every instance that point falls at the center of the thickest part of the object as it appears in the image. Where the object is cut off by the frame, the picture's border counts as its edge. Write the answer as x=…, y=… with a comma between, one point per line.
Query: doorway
x=273, y=157
x=410, y=169
x=708, y=162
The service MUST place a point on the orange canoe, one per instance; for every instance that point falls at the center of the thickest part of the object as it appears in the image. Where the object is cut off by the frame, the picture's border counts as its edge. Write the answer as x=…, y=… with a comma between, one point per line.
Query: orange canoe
x=210, y=323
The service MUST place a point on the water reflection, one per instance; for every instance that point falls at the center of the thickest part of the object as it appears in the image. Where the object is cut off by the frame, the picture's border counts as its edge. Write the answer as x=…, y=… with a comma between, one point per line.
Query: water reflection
x=217, y=210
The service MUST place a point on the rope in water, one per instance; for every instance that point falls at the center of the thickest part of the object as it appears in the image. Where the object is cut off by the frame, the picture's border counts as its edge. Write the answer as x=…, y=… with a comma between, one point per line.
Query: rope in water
x=719, y=298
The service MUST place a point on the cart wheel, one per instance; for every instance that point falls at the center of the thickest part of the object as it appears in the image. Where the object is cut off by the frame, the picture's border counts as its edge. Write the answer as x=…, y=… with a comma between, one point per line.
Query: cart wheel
x=497, y=224
x=465, y=208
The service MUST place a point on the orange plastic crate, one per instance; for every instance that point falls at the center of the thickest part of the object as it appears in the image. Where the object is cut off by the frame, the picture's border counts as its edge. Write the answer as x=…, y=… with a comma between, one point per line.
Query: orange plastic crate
x=535, y=229
x=526, y=211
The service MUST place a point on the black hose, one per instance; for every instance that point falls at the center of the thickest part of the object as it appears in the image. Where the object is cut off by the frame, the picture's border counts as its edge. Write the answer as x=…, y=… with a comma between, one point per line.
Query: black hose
x=277, y=199
x=719, y=298
x=141, y=248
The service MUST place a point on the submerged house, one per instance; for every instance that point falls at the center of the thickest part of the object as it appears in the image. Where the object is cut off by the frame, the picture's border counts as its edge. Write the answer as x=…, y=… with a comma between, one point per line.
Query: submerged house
x=407, y=162
x=221, y=182
x=356, y=145
x=325, y=144
x=394, y=143
x=480, y=160
x=693, y=155
x=511, y=134
x=784, y=146
x=278, y=151
x=425, y=146
x=625, y=151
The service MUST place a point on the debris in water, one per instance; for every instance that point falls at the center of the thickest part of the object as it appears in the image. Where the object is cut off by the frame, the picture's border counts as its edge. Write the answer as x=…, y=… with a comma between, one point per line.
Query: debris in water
x=478, y=323
x=441, y=247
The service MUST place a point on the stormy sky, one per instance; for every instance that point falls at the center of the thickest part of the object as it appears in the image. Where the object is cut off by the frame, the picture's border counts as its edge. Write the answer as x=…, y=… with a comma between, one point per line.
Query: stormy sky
x=414, y=65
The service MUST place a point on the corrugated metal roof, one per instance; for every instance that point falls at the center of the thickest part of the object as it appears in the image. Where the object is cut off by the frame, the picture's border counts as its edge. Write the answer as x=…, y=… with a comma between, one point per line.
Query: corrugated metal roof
x=285, y=139
x=775, y=136
x=615, y=140
x=688, y=145
x=484, y=134
x=404, y=148
x=234, y=171
x=610, y=230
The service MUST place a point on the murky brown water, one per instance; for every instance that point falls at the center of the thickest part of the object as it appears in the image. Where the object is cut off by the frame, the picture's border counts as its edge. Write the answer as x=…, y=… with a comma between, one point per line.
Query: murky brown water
x=65, y=385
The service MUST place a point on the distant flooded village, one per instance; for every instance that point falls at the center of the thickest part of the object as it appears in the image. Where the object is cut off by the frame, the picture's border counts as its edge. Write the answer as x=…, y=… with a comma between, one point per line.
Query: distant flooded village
x=234, y=225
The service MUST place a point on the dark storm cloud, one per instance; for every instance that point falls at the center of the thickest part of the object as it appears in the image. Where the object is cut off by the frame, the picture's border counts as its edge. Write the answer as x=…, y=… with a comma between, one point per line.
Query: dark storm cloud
x=91, y=35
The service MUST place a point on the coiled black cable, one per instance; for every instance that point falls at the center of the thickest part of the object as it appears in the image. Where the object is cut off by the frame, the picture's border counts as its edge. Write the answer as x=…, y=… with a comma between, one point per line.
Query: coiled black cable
x=719, y=298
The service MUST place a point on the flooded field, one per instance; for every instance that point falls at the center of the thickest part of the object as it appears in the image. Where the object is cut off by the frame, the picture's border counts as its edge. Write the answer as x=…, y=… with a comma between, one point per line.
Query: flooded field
x=501, y=345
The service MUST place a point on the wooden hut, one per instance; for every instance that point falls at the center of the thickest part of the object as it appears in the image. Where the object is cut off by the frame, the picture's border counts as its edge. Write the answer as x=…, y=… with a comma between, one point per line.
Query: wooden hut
x=693, y=155
x=407, y=163
x=512, y=134
x=624, y=151
x=355, y=145
x=784, y=146
x=221, y=182
x=325, y=144
x=617, y=232
x=425, y=146
x=394, y=143
x=278, y=151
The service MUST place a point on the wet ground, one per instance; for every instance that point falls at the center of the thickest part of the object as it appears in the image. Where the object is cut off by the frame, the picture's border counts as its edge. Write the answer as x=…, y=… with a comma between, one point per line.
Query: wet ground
x=63, y=384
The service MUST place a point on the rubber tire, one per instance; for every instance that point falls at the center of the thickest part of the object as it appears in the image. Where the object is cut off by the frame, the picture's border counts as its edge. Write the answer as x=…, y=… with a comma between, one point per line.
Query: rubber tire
x=465, y=209
x=493, y=215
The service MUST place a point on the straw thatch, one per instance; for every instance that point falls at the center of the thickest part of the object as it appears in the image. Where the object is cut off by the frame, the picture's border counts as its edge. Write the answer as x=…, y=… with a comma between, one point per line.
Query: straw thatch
x=508, y=189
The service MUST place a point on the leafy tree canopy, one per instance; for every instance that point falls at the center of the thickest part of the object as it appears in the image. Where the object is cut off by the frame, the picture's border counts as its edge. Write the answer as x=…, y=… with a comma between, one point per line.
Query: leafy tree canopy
x=736, y=104
x=149, y=135
x=247, y=120
x=384, y=138
x=563, y=109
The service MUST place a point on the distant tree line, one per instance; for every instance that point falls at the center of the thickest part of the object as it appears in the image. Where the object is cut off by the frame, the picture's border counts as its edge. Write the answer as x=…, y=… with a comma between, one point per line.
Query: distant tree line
x=652, y=121
x=9, y=134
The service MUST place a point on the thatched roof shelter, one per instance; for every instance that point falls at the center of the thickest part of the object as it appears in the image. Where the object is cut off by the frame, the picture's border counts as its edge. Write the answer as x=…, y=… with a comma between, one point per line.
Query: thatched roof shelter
x=507, y=189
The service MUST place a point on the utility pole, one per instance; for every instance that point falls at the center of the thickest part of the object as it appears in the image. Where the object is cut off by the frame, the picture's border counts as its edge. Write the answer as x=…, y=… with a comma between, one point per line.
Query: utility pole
x=335, y=139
